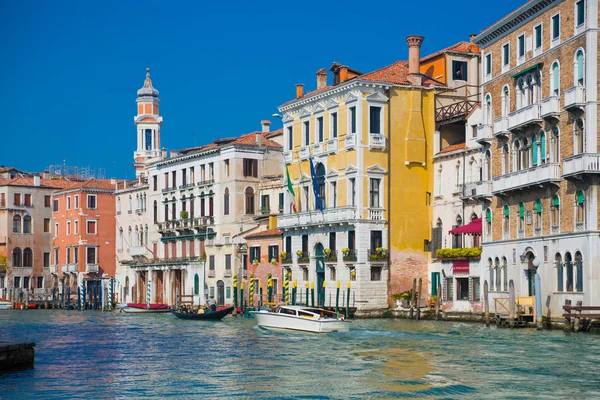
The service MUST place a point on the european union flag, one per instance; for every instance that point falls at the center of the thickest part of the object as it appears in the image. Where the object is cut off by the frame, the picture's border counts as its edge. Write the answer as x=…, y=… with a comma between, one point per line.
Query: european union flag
x=315, y=184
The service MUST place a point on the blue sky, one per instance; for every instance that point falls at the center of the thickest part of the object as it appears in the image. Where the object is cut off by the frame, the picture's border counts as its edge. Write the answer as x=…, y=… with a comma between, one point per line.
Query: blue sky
x=69, y=70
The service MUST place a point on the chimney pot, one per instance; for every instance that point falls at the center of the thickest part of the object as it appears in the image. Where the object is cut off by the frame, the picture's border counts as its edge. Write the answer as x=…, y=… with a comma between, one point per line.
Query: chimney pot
x=265, y=125
x=299, y=90
x=258, y=138
x=414, y=58
x=472, y=36
x=321, y=78
x=36, y=180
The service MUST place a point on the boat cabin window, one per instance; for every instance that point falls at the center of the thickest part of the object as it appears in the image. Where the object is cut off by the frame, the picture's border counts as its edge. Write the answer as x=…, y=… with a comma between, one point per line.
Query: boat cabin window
x=305, y=314
x=287, y=311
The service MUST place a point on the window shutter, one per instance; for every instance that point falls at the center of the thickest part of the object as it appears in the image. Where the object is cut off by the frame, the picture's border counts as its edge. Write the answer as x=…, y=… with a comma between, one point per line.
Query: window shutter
x=555, y=201
x=538, y=206
x=506, y=211
x=543, y=145
x=534, y=150
x=255, y=168
x=580, y=197
x=488, y=215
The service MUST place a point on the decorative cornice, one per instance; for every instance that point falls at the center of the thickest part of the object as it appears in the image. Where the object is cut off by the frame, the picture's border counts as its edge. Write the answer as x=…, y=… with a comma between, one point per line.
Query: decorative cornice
x=513, y=21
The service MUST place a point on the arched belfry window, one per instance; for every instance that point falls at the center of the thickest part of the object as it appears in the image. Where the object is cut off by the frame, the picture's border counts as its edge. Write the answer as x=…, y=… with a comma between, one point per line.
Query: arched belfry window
x=148, y=139
x=249, y=194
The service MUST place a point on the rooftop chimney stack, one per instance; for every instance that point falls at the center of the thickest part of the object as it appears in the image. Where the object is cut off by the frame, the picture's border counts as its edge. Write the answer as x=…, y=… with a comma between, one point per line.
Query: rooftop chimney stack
x=265, y=125
x=36, y=180
x=321, y=78
x=258, y=138
x=299, y=90
x=472, y=36
x=414, y=59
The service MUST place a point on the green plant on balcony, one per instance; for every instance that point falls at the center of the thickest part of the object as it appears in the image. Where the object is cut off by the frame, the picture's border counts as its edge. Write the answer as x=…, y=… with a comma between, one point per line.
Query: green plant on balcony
x=255, y=261
x=466, y=252
x=348, y=254
x=285, y=258
x=379, y=253
x=184, y=215
x=329, y=255
x=2, y=263
x=302, y=256
x=274, y=261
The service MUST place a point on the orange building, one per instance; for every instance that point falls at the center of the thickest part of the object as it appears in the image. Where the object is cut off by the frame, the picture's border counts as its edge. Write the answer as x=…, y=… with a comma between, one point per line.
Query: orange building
x=84, y=233
x=263, y=259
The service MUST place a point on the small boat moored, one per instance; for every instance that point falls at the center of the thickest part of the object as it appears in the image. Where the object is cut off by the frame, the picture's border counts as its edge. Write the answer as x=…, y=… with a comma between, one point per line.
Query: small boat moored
x=144, y=308
x=301, y=318
x=203, y=314
x=4, y=304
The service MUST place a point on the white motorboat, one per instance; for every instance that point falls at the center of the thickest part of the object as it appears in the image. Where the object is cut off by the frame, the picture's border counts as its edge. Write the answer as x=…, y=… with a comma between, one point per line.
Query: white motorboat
x=132, y=308
x=4, y=304
x=301, y=318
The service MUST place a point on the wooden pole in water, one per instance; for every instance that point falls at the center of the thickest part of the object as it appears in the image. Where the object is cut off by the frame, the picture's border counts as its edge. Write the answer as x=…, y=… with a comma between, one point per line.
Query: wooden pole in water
x=511, y=306
x=412, y=298
x=437, y=301
x=419, y=300
x=348, y=301
x=337, y=297
x=486, y=303
x=306, y=293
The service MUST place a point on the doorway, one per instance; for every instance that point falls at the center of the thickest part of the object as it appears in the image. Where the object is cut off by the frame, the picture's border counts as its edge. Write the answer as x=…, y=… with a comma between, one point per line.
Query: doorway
x=320, y=269
x=220, y=292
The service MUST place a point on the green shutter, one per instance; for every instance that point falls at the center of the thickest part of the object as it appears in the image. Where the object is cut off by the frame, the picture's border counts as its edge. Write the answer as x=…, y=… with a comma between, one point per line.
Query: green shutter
x=555, y=201
x=538, y=206
x=543, y=145
x=488, y=215
x=506, y=211
x=580, y=197
x=534, y=149
x=521, y=210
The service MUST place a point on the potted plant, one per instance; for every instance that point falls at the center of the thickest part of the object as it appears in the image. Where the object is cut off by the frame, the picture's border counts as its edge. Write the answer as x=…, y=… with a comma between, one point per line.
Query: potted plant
x=184, y=215
x=255, y=261
x=284, y=254
x=274, y=261
x=431, y=301
x=299, y=253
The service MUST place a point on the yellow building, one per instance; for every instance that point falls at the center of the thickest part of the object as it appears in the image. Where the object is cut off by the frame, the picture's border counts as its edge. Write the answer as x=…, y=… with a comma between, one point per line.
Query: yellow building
x=370, y=138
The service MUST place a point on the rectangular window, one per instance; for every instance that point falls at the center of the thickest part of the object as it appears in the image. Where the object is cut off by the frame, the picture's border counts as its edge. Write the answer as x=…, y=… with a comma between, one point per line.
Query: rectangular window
x=27, y=200
x=376, y=240
x=211, y=171
x=250, y=167
x=290, y=138
x=281, y=197
x=56, y=256
x=506, y=55
x=226, y=163
x=184, y=176
x=68, y=203
x=228, y=292
x=521, y=46
x=332, y=275
x=374, y=193
x=462, y=288
x=556, y=27
x=375, y=273
x=68, y=228
x=288, y=245
x=334, y=125
x=76, y=227
x=46, y=260
x=273, y=253
x=580, y=5
x=55, y=229
x=17, y=199
x=91, y=227
x=47, y=201
x=46, y=225
x=306, y=133
x=212, y=291
x=76, y=255
x=352, y=191
x=228, y=261
x=334, y=194
x=305, y=198
x=305, y=244
x=155, y=183
x=332, y=240
x=192, y=175
x=488, y=64
x=91, y=201
x=174, y=179
x=91, y=256
x=76, y=201
x=375, y=119
x=68, y=252
x=320, y=129
x=352, y=119
x=538, y=36
x=351, y=240
x=459, y=70
x=255, y=254
x=166, y=180
x=211, y=263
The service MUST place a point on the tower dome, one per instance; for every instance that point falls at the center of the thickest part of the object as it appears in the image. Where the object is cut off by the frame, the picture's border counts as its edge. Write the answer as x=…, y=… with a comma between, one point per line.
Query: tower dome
x=147, y=90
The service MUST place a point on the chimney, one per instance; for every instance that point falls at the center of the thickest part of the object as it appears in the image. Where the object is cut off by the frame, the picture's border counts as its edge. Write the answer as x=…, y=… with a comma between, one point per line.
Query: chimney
x=36, y=180
x=299, y=90
x=259, y=138
x=265, y=125
x=472, y=36
x=163, y=153
x=321, y=78
x=414, y=59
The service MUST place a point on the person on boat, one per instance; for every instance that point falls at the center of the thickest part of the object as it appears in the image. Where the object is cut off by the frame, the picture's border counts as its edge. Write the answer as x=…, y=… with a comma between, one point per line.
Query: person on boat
x=212, y=304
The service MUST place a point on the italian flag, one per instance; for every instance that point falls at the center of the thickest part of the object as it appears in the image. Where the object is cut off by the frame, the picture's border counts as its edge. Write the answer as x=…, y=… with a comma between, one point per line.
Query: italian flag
x=290, y=188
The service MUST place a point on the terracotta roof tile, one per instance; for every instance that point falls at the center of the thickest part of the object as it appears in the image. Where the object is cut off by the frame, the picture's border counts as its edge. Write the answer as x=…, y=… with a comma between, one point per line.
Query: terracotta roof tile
x=103, y=184
x=453, y=147
x=44, y=183
x=460, y=47
x=249, y=139
x=276, y=132
x=267, y=233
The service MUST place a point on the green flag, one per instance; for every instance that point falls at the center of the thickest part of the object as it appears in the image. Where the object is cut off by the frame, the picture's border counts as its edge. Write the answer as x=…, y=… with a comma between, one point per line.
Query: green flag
x=290, y=188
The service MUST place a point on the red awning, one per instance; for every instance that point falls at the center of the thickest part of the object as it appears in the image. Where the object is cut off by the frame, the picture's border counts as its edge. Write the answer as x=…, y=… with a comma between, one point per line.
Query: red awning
x=474, y=228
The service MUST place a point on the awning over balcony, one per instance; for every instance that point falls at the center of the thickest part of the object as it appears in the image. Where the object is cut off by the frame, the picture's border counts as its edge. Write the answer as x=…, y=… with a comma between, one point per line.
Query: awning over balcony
x=473, y=228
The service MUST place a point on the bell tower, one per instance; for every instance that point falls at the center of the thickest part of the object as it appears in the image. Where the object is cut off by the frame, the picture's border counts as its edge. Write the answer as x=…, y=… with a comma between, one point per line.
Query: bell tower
x=148, y=123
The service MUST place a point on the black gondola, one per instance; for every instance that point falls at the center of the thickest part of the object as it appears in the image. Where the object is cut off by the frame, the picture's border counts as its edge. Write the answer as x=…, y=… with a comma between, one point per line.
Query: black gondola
x=208, y=316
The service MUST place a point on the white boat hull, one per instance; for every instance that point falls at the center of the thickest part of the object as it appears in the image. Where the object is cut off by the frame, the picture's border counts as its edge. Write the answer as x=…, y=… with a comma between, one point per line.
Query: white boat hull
x=4, y=305
x=269, y=320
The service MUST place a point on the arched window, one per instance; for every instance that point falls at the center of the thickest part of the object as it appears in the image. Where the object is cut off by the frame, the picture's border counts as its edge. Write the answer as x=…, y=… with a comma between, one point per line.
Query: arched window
x=17, y=224
x=174, y=208
x=491, y=268
x=505, y=159
x=569, y=265
x=555, y=213
x=555, y=79
x=579, y=269
x=543, y=154
x=525, y=154
x=457, y=174
x=504, y=274
x=155, y=211
x=521, y=94
x=320, y=173
x=439, y=182
x=120, y=243
x=27, y=224
x=167, y=212
x=27, y=257
x=211, y=203
x=579, y=137
x=559, y=272
x=534, y=150
x=555, y=145
x=202, y=204
x=505, y=101
x=192, y=206
x=580, y=205
x=538, y=216
x=521, y=224
x=146, y=235
x=144, y=202
x=498, y=274
x=148, y=141
x=250, y=209
x=488, y=109
x=130, y=205
x=457, y=239
x=137, y=237
x=129, y=243
x=579, y=68
x=118, y=205
x=516, y=156
x=226, y=202
x=17, y=257
x=196, y=284
x=488, y=165
x=488, y=222
x=506, y=221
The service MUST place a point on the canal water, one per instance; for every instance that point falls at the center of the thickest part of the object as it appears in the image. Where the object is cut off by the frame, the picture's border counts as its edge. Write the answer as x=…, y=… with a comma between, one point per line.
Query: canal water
x=109, y=355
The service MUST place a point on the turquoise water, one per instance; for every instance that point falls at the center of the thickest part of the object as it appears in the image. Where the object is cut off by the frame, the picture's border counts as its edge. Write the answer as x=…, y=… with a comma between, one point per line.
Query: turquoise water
x=104, y=355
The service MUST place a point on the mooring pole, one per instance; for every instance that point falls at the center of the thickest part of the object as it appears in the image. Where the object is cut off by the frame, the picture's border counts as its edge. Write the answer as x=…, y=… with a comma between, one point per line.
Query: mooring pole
x=486, y=303
x=437, y=301
x=412, y=298
x=418, y=296
x=511, y=295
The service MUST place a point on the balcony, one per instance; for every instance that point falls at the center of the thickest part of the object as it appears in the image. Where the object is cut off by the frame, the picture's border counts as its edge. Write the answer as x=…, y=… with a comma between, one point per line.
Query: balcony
x=332, y=145
x=328, y=216
x=318, y=148
x=545, y=173
x=378, y=255
x=550, y=107
x=304, y=152
x=91, y=268
x=586, y=163
x=169, y=189
x=202, y=222
x=265, y=210
x=501, y=126
x=476, y=190
x=207, y=182
x=461, y=253
x=288, y=156
x=484, y=133
x=186, y=186
x=303, y=258
x=376, y=214
x=349, y=255
x=376, y=141
x=53, y=269
x=525, y=117
x=287, y=259
x=575, y=97
x=331, y=258
x=227, y=273
x=350, y=141
x=138, y=251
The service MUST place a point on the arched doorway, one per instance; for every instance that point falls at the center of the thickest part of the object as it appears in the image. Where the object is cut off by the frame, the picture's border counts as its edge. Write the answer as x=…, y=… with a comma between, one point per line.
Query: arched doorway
x=125, y=290
x=320, y=269
x=220, y=292
x=530, y=272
